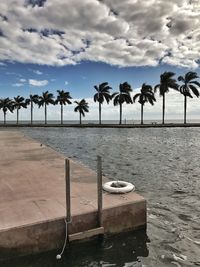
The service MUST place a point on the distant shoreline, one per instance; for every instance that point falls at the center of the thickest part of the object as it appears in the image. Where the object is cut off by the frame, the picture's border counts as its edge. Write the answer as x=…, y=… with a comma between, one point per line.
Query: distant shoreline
x=94, y=125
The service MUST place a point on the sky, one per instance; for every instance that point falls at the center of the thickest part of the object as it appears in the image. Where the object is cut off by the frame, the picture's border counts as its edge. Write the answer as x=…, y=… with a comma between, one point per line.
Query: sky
x=76, y=44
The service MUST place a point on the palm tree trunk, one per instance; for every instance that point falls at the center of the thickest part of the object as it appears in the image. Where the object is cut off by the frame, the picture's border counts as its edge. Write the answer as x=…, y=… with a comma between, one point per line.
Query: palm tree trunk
x=80, y=117
x=31, y=112
x=120, y=113
x=45, y=112
x=185, y=108
x=17, y=115
x=163, y=110
x=99, y=113
x=142, y=114
x=4, y=115
x=61, y=111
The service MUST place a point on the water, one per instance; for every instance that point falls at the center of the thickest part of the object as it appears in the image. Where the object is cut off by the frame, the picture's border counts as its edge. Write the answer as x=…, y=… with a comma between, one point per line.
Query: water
x=163, y=164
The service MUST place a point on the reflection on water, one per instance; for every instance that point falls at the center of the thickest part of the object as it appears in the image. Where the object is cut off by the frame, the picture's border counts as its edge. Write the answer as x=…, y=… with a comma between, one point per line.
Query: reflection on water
x=111, y=252
x=163, y=164
x=122, y=250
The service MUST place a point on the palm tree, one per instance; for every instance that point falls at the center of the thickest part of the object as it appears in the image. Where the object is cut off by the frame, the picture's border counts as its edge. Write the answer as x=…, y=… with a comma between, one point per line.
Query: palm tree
x=6, y=104
x=18, y=103
x=44, y=100
x=166, y=82
x=146, y=95
x=101, y=95
x=33, y=99
x=63, y=98
x=81, y=107
x=122, y=96
x=188, y=87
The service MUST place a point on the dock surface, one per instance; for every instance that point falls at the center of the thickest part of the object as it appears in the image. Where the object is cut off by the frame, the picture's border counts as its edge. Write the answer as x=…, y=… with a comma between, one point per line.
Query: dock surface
x=32, y=198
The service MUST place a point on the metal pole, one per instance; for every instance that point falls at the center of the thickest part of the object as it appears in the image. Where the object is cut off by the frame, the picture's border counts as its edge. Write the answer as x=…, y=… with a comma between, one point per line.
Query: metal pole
x=67, y=183
x=99, y=189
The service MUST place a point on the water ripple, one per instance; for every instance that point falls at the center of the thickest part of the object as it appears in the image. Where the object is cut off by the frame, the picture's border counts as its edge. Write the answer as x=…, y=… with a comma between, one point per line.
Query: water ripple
x=164, y=166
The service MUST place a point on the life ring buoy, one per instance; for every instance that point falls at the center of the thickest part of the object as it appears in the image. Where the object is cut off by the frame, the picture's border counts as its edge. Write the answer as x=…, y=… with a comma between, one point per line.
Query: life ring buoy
x=118, y=187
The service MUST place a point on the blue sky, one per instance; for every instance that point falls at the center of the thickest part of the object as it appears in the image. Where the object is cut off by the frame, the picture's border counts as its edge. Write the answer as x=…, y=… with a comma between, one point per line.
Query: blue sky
x=53, y=45
x=79, y=79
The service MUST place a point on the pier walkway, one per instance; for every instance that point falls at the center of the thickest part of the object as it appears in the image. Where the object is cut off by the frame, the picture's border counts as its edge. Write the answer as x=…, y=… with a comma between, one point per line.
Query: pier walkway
x=32, y=198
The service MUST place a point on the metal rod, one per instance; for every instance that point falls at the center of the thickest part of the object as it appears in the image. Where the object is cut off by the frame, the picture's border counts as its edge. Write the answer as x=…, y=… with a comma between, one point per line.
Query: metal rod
x=67, y=183
x=99, y=189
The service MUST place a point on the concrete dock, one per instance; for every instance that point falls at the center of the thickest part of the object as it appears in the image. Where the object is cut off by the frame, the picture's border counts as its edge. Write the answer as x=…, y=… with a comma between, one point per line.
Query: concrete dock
x=32, y=199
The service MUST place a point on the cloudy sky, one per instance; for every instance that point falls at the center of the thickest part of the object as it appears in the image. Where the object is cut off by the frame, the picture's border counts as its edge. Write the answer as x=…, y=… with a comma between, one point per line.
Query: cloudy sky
x=75, y=44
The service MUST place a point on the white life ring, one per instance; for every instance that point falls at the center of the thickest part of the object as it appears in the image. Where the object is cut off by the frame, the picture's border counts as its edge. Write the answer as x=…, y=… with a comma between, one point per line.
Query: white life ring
x=120, y=187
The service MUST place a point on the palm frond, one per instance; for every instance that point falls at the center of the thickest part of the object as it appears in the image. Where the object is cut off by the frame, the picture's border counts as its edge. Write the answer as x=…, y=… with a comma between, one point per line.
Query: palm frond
x=194, y=90
x=82, y=107
x=156, y=87
x=97, y=88
x=181, y=79
x=196, y=83
x=189, y=76
x=136, y=96
x=116, y=100
x=189, y=85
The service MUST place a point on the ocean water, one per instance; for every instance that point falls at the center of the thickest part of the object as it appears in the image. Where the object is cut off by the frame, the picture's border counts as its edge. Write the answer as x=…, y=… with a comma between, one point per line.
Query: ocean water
x=164, y=165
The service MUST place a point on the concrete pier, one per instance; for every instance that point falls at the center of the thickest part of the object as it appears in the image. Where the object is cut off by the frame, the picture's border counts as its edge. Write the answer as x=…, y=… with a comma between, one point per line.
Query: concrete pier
x=32, y=199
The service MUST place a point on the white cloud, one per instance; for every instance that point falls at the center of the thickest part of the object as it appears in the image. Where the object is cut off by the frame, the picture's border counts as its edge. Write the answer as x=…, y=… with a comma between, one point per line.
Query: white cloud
x=66, y=82
x=17, y=84
x=22, y=80
x=2, y=64
x=123, y=33
x=20, y=83
x=38, y=83
x=11, y=73
x=37, y=72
